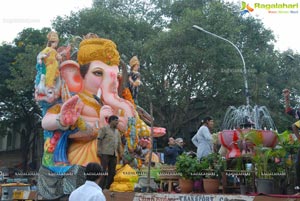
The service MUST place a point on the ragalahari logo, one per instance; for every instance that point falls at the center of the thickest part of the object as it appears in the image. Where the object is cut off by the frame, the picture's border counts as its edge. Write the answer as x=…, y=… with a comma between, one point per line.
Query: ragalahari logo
x=245, y=8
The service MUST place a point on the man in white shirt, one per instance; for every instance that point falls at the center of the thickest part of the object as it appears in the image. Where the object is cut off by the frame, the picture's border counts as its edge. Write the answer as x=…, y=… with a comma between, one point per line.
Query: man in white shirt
x=203, y=139
x=90, y=191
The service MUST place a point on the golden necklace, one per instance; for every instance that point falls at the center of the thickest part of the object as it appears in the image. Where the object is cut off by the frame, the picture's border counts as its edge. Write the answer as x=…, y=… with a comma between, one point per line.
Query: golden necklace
x=89, y=100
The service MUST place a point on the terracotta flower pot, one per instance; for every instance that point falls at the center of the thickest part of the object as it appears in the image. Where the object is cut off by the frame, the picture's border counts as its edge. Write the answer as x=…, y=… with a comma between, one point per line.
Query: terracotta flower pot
x=186, y=185
x=211, y=185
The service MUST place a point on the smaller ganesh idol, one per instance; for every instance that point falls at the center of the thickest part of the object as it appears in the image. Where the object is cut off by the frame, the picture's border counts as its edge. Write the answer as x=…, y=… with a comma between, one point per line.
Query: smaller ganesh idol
x=134, y=77
x=47, y=80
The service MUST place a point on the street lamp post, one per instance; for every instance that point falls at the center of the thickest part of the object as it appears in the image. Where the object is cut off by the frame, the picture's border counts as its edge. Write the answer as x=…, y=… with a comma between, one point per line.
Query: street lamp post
x=244, y=65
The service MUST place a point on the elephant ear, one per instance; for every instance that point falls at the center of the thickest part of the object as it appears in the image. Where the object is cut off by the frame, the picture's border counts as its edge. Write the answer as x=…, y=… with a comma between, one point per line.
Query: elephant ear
x=70, y=73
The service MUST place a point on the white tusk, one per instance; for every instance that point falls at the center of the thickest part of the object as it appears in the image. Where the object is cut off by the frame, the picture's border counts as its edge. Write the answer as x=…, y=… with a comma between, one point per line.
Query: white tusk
x=99, y=93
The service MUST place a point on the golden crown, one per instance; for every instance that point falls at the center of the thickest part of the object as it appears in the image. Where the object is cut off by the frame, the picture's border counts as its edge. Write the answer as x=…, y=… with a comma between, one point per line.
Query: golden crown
x=134, y=61
x=93, y=48
x=52, y=36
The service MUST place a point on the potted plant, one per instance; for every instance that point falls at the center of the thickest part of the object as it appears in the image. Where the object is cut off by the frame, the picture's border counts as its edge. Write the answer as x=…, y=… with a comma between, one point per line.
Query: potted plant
x=187, y=166
x=213, y=173
x=200, y=170
x=268, y=165
x=262, y=158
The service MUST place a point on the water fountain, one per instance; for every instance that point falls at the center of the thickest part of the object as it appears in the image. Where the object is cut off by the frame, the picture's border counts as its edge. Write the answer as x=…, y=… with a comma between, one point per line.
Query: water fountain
x=240, y=124
x=243, y=123
x=245, y=116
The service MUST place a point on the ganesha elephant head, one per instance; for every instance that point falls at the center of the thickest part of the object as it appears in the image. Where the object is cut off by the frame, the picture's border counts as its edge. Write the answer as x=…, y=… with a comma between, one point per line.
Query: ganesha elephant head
x=46, y=94
x=97, y=74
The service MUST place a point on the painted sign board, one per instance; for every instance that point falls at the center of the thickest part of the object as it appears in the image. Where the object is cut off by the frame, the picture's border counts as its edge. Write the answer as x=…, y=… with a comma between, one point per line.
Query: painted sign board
x=189, y=197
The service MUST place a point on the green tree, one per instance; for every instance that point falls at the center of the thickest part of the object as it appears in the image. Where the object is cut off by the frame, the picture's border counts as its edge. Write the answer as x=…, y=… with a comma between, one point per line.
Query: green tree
x=284, y=75
x=127, y=32
x=19, y=107
x=191, y=74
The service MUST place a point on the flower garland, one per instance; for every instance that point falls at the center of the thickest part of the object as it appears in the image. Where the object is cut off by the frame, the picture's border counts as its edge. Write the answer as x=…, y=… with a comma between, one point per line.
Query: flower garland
x=142, y=129
x=131, y=135
x=127, y=96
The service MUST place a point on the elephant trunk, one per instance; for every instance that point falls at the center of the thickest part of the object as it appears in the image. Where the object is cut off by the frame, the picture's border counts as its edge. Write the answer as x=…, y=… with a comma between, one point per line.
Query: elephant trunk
x=121, y=107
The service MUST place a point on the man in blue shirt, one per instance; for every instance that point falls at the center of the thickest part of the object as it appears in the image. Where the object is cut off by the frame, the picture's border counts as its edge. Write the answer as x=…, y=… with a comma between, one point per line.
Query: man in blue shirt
x=170, y=152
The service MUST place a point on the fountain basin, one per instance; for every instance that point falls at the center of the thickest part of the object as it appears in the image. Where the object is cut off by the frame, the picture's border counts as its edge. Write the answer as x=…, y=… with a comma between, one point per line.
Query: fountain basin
x=231, y=139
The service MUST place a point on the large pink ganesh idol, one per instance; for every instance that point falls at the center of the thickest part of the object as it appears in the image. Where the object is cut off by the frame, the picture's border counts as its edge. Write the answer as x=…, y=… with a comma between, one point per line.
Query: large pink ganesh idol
x=87, y=94
x=95, y=85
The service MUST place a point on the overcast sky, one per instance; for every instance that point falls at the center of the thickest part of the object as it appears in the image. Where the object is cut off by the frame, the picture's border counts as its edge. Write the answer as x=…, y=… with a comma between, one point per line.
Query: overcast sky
x=15, y=15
